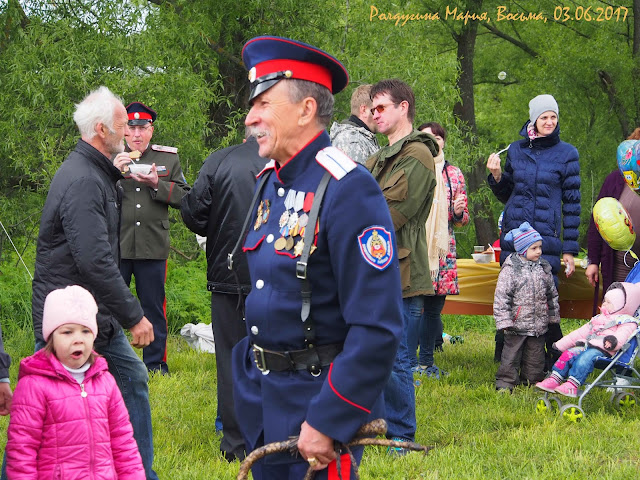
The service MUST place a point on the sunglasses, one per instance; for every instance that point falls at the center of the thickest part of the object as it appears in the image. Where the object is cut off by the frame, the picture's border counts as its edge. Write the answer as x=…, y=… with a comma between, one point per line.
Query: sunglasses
x=381, y=108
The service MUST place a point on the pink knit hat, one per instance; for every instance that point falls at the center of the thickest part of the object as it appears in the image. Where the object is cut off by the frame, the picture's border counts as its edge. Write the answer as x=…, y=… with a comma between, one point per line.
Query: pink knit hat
x=72, y=304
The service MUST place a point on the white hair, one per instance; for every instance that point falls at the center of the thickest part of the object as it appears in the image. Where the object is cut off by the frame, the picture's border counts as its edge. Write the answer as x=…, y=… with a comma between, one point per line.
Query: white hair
x=97, y=107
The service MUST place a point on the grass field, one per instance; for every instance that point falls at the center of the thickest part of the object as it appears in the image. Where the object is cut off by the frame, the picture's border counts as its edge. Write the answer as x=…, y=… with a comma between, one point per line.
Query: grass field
x=477, y=433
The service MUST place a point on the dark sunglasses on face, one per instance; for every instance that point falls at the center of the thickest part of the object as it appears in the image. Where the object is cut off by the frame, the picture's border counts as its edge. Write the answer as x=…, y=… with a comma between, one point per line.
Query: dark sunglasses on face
x=381, y=108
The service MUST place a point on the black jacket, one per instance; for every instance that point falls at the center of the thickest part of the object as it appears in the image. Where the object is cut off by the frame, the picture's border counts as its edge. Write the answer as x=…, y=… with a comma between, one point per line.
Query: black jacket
x=216, y=207
x=78, y=241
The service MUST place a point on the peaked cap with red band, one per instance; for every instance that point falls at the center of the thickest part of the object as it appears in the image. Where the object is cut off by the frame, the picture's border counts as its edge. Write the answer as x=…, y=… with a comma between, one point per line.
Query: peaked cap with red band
x=140, y=114
x=270, y=59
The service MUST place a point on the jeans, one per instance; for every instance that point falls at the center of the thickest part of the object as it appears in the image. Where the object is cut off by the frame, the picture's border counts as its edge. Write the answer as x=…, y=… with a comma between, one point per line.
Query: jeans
x=132, y=377
x=578, y=366
x=399, y=393
x=425, y=331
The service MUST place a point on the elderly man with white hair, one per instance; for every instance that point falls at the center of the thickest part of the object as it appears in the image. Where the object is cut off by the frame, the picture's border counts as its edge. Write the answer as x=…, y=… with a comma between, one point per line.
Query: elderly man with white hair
x=78, y=245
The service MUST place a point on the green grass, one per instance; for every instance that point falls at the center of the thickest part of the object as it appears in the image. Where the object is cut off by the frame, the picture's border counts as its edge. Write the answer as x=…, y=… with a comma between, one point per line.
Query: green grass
x=476, y=433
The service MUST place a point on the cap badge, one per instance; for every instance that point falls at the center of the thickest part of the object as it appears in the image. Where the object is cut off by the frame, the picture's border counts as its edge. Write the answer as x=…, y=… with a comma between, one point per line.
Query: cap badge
x=252, y=74
x=136, y=115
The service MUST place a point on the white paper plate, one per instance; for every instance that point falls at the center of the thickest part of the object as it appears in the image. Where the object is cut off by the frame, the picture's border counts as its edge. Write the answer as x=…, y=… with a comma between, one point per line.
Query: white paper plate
x=139, y=168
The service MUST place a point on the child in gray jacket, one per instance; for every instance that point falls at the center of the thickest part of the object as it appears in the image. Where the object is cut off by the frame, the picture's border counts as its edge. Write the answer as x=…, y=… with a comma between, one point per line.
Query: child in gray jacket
x=525, y=303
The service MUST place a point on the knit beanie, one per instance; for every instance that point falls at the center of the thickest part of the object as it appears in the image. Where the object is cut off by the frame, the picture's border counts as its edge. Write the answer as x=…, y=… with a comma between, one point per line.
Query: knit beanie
x=541, y=104
x=72, y=304
x=523, y=237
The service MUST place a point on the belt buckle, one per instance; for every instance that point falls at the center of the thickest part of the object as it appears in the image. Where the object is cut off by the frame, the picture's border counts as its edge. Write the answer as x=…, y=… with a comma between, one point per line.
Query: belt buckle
x=259, y=360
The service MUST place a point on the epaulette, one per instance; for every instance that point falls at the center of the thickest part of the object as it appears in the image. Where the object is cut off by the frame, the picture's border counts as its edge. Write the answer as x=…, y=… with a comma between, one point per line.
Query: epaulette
x=335, y=162
x=163, y=148
x=270, y=165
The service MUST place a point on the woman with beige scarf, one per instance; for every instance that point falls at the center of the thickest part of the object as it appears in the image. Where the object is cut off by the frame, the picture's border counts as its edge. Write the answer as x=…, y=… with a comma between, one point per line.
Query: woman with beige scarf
x=449, y=209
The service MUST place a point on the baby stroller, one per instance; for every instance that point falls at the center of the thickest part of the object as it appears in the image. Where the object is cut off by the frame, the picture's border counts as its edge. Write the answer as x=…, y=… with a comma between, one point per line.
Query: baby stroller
x=618, y=375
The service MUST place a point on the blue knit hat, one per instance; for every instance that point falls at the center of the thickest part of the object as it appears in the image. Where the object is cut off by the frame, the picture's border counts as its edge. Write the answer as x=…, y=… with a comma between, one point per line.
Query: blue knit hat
x=523, y=237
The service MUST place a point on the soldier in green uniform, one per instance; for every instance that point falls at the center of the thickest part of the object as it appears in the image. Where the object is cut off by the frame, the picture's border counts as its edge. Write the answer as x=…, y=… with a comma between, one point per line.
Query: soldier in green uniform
x=153, y=181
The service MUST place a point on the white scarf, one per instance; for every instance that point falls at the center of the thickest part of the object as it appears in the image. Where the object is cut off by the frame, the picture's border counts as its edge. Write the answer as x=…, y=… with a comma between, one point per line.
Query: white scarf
x=437, y=225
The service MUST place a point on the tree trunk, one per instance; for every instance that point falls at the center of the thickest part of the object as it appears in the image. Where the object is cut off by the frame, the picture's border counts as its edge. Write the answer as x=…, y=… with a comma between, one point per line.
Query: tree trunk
x=464, y=112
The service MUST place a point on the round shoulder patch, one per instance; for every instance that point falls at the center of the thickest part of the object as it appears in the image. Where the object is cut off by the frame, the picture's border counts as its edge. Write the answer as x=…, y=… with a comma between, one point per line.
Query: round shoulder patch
x=375, y=246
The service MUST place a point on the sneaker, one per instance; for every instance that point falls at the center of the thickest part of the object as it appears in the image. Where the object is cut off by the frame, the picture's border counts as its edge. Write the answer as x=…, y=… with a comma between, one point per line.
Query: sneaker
x=398, y=451
x=549, y=384
x=568, y=389
x=435, y=372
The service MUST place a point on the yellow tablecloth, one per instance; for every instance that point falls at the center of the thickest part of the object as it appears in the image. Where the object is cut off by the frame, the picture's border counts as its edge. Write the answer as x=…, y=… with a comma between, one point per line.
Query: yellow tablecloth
x=478, y=283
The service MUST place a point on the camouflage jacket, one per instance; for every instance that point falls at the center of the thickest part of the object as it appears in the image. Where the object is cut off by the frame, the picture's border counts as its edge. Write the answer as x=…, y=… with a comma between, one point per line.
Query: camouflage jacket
x=356, y=141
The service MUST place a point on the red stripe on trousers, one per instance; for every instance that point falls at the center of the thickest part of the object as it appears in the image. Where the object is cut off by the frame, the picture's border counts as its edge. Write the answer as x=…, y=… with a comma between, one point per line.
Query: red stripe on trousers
x=164, y=311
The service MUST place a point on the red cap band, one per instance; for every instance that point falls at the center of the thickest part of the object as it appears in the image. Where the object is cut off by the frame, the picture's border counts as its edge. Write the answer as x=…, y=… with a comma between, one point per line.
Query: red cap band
x=140, y=116
x=301, y=70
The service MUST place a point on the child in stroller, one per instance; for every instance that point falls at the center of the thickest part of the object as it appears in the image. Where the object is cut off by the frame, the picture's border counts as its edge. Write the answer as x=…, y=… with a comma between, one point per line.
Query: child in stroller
x=603, y=336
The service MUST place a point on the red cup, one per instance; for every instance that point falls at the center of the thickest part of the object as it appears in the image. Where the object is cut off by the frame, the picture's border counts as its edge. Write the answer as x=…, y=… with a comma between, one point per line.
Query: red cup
x=496, y=252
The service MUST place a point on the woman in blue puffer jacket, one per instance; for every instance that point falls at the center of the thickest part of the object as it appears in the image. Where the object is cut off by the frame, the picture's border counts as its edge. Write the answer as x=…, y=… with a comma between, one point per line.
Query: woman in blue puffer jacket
x=540, y=184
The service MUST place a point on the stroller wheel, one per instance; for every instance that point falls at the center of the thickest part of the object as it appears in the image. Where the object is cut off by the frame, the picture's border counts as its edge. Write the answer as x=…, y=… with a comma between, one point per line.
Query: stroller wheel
x=548, y=404
x=625, y=400
x=543, y=406
x=571, y=412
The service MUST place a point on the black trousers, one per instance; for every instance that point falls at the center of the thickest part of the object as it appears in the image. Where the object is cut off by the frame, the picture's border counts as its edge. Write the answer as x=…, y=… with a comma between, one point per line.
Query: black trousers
x=228, y=329
x=150, y=278
x=522, y=361
x=550, y=357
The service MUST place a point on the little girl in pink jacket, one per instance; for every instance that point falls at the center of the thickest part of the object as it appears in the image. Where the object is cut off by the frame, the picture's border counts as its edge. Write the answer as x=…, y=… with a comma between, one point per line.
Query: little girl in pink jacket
x=68, y=418
x=603, y=336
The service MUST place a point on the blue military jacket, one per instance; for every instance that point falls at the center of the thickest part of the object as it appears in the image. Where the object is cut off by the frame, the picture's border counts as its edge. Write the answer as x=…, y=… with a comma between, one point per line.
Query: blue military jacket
x=356, y=300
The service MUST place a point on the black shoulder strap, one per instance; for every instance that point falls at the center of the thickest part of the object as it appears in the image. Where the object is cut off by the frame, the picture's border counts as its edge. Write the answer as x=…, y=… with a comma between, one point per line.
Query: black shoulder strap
x=301, y=273
x=243, y=232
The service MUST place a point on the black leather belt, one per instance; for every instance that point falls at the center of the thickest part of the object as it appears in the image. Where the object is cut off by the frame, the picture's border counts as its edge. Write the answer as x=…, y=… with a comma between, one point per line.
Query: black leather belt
x=268, y=360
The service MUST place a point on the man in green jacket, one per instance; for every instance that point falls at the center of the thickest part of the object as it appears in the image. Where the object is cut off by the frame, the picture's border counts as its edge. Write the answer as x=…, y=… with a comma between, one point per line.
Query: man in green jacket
x=405, y=172
x=144, y=236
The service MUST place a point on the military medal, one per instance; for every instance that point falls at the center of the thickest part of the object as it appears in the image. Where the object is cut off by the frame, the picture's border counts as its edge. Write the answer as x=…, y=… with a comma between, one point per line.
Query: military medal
x=293, y=220
x=298, y=203
x=302, y=221
x=298, y=248
x=289, y=243
x=266, y=211
x=258, y=223
x=280, y=243
x=284, y=219
x=308, y=202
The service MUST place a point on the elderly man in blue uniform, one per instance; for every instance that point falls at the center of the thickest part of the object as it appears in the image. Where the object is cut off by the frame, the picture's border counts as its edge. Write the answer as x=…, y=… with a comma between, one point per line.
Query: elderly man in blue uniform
x=144, y=240
x=405, y=171
x=313, y=364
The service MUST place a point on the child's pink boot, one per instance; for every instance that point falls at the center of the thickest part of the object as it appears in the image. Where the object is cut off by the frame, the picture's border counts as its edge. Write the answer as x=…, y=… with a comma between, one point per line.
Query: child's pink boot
x=568, y=389
x=549, y=384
